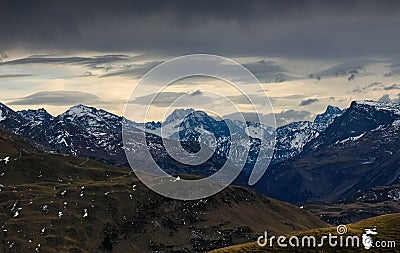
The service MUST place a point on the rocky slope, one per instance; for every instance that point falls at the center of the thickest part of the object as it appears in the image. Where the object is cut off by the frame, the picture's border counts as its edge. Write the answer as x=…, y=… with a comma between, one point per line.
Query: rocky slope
x=358, y=151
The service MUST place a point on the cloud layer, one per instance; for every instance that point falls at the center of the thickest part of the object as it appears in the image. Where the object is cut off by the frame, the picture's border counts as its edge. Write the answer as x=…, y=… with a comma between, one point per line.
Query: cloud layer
x=308, y=101
x=305, y=29
x=58, y=98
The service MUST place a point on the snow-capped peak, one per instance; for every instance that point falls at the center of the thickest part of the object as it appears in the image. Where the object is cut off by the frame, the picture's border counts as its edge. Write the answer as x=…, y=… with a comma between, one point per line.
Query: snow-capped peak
x=329, y=115
x=79, y=111
x=178, y=114
x=88, y=113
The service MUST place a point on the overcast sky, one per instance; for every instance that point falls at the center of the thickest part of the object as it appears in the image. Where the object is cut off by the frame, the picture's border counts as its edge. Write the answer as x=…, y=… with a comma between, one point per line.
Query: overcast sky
x=306, y=54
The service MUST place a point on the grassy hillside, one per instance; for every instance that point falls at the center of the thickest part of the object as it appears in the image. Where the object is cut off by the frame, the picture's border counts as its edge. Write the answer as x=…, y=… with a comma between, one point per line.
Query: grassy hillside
x=53, y=203
x=11, y=144
x=388, y=228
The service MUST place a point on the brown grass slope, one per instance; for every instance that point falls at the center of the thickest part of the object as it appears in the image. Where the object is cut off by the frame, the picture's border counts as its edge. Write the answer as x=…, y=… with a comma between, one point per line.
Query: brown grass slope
x=388, y=228
x=43, y=199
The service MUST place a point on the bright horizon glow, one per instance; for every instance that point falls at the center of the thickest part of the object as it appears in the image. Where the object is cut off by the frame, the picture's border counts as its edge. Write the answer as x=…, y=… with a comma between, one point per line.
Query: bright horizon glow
x=112, y=86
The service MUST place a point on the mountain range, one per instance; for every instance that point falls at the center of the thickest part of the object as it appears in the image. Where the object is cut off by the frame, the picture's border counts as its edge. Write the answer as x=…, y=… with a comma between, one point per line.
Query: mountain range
x=330, y=159
x=89, y=132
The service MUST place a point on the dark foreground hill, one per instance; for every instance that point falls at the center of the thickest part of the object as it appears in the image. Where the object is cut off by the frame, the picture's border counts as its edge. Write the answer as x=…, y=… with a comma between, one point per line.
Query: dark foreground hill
x=387, y=227
x=54, y=203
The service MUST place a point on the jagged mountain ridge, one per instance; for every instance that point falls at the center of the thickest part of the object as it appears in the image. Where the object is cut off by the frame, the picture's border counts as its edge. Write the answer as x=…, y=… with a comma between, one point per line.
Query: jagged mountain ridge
x=89, y=132
x=361, y=117
x=358, y=151
x=290, y=139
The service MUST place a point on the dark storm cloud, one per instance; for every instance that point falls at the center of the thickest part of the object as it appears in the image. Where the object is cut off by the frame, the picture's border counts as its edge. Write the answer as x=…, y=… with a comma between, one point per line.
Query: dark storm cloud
x=241, y=99
x=166, y=99
x=372, y=86
x=162, y=99
x=350, y=68
x=112, y=65
x=133, y=70
x=15, y=75
x=58, y=98
x=269, y=71
x=377, y=86
x=196, y=93
x=290, y=97
x=308, y=101
x=262, y=28
x=91, y=62
x=392, y=87
x=264, y=66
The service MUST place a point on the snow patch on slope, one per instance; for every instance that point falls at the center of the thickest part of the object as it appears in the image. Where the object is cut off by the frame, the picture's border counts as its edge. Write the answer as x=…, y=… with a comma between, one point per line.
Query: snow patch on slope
x=1, y=116
x=353, y=138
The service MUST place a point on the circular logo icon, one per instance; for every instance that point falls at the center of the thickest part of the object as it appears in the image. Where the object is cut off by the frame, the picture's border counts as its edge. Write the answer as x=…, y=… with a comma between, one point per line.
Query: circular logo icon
x=198, y=132
x=341, y=229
